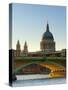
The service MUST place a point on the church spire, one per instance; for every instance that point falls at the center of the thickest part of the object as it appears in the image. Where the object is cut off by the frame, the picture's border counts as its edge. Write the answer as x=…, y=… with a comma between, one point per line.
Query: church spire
x=18, y=45
x=47, y=27
x=25, y=51
x=25, y=45
x=18, y=50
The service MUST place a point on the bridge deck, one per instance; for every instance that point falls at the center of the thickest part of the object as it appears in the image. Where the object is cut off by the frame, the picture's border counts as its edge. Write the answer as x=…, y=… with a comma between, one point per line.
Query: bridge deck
x=46, y=62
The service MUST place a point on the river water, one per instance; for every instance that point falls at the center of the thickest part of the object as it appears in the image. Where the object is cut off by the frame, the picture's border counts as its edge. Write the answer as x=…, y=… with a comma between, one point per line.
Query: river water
x=35, y=80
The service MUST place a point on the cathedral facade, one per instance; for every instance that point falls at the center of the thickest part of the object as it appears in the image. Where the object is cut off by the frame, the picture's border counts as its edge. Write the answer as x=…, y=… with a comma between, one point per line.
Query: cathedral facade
x=47, y=47
x=47, y=43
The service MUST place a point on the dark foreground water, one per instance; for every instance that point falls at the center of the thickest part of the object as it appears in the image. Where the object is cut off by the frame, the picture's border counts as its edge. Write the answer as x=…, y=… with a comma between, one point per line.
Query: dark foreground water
x=42, y=80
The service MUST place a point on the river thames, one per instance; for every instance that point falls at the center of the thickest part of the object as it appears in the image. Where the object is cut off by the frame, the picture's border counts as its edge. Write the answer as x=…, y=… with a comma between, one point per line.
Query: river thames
x=36, y=80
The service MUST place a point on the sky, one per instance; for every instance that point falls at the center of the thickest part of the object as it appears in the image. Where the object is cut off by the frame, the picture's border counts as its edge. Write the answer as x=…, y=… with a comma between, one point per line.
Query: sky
x=29, y=23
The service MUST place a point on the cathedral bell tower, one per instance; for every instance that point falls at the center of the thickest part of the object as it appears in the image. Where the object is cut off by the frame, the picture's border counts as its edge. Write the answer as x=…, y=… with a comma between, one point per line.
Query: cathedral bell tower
x=18, y=50
x=25, y=50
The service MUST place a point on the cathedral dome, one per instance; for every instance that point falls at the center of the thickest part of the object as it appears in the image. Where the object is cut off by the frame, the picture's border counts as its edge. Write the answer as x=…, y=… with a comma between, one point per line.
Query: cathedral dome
x=47, y=43
x=47, y=34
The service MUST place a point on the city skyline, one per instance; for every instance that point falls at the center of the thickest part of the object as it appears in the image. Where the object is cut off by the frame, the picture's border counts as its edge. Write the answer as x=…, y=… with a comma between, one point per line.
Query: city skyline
x=29, y=24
